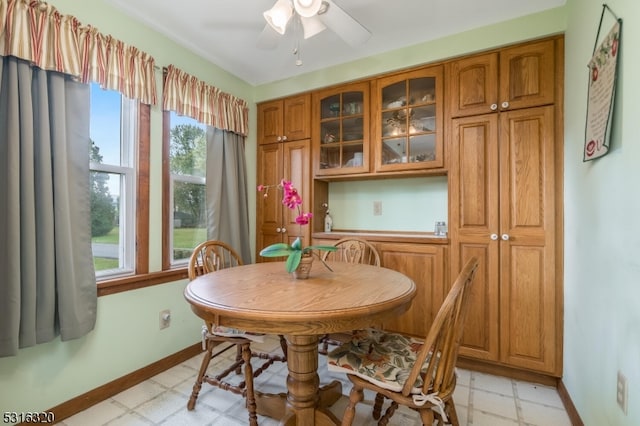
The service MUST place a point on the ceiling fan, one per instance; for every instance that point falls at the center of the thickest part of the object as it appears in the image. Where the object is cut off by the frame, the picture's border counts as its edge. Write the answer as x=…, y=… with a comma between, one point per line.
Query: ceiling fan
x=314, y=16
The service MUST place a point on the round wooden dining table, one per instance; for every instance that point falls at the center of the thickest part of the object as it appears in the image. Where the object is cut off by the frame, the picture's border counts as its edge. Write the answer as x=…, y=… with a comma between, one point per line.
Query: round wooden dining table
x=264, y=298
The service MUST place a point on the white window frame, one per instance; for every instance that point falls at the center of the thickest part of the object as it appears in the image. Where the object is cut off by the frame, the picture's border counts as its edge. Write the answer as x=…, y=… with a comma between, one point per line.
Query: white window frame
x=128, y=185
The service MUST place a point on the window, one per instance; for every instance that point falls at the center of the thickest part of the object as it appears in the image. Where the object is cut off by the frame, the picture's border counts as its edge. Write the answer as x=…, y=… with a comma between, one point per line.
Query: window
x=187, y=151
x=114, y=136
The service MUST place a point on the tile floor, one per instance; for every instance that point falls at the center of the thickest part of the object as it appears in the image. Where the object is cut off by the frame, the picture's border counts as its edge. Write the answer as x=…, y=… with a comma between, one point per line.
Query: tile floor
x=481, y=400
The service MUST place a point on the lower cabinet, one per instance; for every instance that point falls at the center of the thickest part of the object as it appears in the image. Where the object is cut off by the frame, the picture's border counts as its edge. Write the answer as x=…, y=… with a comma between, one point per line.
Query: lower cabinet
x=426, y=265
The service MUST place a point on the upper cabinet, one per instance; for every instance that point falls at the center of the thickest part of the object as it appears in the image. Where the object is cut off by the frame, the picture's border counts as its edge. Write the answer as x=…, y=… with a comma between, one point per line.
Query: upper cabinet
x=341, y=130
x=517, y=77
x=408, y=120
x=284, y=119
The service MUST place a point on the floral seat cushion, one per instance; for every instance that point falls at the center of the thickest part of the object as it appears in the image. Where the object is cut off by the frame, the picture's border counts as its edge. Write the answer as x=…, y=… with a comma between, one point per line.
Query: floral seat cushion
x=384, y=359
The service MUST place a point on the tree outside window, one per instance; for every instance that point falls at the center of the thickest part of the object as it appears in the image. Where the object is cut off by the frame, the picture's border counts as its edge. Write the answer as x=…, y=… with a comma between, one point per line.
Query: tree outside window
x=187, y=156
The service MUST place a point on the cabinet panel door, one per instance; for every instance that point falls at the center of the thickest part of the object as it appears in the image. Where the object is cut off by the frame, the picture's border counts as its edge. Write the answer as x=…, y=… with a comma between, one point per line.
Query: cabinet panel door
x=270, y=125
x=527, y=75
x=297, y=117
x=341, y=130
x=408, y=120
x=473, y=85
x=529, y=295
x=425, y=265
x=473, y=189
x=269, y=209
x=297, y=169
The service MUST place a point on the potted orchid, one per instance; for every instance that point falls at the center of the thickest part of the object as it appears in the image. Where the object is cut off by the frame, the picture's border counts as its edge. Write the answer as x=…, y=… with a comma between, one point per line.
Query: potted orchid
x=294, y=252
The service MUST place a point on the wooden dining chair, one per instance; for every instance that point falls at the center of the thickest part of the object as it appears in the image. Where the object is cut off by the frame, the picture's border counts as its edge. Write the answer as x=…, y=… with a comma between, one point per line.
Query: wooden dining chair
x=353, y=250
x=349, y=250
x=207, y=257
x=419, y=374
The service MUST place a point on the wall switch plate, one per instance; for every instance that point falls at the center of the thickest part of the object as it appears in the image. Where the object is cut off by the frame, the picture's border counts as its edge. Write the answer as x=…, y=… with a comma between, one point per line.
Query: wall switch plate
x=377, y=208
x=621, y=394
x=165, y=318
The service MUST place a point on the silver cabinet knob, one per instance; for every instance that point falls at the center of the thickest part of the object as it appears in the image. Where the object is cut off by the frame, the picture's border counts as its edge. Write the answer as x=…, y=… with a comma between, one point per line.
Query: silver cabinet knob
x=505, y=104
x=494, y=237
x=284, y=138
x=505, y=237
x=494, y=107
x=283, y=230
x=279, y=138
x=278, y=230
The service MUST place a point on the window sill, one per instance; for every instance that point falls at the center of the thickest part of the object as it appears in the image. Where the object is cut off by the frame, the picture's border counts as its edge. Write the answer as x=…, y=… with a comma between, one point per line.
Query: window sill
x=118, y=285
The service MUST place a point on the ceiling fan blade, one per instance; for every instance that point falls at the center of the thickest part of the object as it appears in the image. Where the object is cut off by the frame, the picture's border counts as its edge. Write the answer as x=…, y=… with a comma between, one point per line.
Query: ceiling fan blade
x=268, y=38
x=343, y=24
x=311, y=26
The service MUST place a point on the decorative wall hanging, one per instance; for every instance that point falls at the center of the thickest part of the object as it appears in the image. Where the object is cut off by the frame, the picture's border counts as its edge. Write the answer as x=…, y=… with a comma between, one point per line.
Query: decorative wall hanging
x=603, y=70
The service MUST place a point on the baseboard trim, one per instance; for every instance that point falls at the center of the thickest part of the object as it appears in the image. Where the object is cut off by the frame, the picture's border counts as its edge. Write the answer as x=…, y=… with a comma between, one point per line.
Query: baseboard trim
x=512, y=373
x=572, y=412
x=101, y=393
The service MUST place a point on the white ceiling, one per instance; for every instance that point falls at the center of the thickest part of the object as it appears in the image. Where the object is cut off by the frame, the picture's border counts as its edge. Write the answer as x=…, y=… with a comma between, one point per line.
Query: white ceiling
x=225, y=31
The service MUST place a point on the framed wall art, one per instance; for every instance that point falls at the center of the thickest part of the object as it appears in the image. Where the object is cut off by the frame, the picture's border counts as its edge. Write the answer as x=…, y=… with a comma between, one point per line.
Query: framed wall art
x=603, y=69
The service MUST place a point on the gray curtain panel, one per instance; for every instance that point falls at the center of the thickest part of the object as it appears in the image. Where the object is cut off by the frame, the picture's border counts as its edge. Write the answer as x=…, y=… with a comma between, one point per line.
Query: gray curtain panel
x=226, y=192
x=48, y=285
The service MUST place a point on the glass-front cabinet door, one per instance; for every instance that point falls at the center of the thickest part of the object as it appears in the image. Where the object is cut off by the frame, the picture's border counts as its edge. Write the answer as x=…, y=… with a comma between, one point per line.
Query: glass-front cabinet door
x=341, y=130
x=408, y=120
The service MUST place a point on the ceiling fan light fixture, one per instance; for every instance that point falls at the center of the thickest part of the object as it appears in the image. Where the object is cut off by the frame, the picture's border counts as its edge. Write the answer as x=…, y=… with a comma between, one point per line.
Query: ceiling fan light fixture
x=278, y=16
x=307, y=8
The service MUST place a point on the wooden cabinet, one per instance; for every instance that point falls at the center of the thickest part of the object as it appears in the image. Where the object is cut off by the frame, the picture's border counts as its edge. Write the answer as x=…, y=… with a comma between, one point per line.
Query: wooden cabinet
x=276, y=223
x=284, y=119
x=341, y=130
x=408, y=120
x=426, y=265
x=502, y=184
x=518, y=77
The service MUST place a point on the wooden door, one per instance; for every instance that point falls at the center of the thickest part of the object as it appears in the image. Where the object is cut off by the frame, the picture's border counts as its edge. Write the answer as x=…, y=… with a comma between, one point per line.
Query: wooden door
x=528, y=291
x=269, y=209
x=527, y=75
x=270, y=124
x=297, y=169
x=296, y=117
x=426, y=266
x=473, y=85
x=473, y=228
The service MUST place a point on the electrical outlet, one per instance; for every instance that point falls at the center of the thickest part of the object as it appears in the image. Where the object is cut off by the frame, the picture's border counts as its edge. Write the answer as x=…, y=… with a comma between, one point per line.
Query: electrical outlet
x=621, y=394
x=165, y=318
x=377, y=208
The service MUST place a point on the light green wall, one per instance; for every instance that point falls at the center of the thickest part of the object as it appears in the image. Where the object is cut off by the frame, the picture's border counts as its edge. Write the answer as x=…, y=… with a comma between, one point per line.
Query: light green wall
x=126, y=338
x=409, y=204
x=602, y=234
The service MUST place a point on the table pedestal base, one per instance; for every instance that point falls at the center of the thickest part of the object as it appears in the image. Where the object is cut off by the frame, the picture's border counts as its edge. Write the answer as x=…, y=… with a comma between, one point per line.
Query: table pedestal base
x=306, y=403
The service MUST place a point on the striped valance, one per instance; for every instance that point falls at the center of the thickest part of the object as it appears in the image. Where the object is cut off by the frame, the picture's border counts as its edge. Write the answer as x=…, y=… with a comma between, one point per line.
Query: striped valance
x=35, y=31
x=189, y=96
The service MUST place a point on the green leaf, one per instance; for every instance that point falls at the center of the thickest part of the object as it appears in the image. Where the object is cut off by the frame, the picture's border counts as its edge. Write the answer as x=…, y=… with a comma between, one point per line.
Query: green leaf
x=324, y=248
x=293, y=260
x=297, y=244
x=276, y=250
